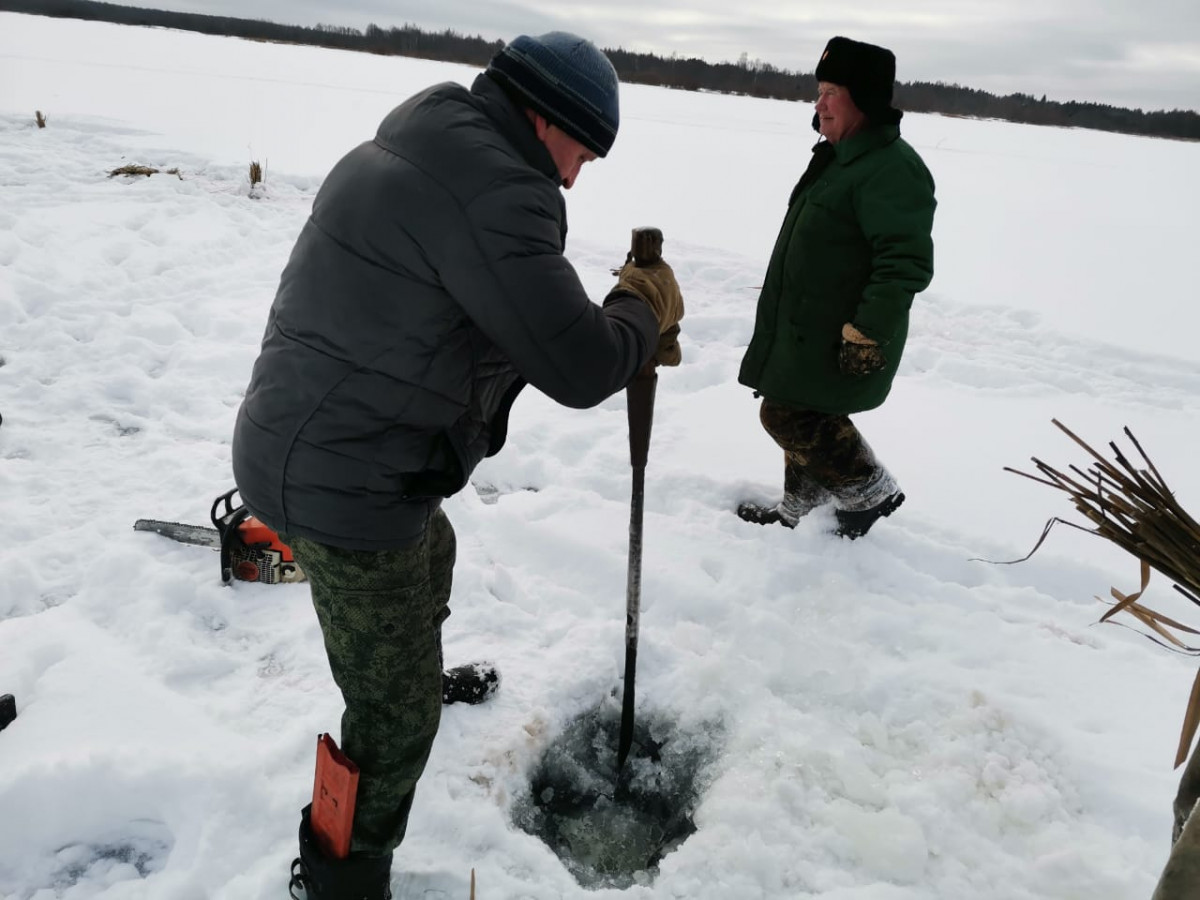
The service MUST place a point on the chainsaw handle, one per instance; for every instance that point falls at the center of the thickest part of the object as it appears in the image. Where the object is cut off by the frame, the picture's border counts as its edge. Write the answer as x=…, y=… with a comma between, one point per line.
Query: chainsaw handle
x=217, y=516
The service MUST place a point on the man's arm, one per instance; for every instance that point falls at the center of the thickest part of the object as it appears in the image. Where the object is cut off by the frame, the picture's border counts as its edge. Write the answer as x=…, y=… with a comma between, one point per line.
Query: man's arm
x=511, y=279
x=895, y=210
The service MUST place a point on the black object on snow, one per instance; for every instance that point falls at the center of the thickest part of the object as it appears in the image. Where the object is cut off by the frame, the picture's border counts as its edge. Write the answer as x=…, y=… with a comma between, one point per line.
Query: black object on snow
x=855, y=524
x=472, y=683
x=8, y=710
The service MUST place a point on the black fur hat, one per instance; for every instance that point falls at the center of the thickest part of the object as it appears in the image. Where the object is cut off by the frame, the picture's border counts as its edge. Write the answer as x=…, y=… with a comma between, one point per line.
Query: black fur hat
x=867, y=71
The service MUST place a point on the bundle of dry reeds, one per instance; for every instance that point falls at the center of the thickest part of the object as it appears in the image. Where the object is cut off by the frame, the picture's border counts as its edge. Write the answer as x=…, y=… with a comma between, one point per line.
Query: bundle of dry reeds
x=1134, y=508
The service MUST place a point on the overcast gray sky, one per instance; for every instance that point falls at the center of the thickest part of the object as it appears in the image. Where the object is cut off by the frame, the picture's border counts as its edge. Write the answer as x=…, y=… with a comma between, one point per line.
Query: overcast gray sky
x=1135, y=53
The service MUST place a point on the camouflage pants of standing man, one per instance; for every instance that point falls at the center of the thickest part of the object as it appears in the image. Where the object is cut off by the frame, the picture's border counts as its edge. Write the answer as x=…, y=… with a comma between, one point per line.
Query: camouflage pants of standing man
x=825, y=460
x=381, y=613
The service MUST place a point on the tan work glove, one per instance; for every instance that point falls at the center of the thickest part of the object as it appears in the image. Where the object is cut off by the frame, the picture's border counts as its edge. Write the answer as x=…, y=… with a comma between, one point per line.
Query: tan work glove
x=655, y=283
x=669, y=352
x=858, y=355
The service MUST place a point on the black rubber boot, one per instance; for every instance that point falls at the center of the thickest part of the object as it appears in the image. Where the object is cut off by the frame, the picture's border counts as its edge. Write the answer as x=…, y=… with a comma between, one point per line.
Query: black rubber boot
x=855, y=523
x=757, y=514
x=801, y=495
x=316, y=877
x=472, y=683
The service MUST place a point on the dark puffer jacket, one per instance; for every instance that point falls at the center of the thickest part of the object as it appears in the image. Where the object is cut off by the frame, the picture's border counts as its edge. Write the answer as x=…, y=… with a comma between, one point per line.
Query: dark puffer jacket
x=428, y=286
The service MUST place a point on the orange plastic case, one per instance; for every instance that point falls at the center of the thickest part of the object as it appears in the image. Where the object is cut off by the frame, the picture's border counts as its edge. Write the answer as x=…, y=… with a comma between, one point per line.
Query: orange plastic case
x=335, y=789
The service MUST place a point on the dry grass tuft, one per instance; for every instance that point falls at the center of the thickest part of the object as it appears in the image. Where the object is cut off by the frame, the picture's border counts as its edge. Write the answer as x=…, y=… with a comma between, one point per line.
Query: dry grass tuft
x=133, y=170
x=39, y=118
x=143, y=170
x=256, y=174
x=1134, y=508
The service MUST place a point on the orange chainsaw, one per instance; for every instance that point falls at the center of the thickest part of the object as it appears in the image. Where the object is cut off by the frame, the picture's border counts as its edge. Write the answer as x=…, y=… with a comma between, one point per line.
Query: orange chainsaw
x=250, y=551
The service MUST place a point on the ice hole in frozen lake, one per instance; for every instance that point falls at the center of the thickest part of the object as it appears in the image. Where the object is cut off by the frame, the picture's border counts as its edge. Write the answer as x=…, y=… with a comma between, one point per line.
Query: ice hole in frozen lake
x=610, y=829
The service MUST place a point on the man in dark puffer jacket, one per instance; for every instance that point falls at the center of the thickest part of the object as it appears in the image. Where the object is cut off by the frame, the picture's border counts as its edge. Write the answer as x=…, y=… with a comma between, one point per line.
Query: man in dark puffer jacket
x=426, y=289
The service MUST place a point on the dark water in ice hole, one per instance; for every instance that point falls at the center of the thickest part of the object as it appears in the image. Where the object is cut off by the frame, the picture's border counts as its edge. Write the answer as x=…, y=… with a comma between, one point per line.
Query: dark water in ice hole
x=612, y=830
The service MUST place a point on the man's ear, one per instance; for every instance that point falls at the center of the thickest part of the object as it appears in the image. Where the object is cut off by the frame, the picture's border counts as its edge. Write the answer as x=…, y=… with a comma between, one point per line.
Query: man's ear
x=540, y=125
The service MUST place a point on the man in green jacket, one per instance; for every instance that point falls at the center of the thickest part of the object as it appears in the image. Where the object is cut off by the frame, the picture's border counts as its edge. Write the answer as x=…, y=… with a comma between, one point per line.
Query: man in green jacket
x=854, y=249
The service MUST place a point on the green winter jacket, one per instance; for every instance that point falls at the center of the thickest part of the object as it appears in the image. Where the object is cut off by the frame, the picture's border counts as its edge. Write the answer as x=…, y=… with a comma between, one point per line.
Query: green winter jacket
x=855, y=247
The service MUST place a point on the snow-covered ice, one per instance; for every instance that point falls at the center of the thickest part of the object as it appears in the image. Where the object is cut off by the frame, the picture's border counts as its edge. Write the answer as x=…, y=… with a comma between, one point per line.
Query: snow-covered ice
x=898, y=720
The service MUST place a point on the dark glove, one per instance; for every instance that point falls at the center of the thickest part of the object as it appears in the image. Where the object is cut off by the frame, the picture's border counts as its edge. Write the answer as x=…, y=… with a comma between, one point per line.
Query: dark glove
x=858, y=354
x=655, y=283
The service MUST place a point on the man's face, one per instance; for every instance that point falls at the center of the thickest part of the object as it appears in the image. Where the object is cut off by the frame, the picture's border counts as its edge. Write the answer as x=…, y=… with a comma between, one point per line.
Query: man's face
x=568, y=154
x=839, y=116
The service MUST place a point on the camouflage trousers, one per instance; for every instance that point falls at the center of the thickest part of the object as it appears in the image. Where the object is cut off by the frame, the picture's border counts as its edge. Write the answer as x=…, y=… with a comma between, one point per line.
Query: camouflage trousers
x=1180, y=879
x=824, y=459
x=381, y=613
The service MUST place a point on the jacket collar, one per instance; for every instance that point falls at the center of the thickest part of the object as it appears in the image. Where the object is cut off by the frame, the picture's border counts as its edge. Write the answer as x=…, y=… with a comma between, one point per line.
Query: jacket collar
x=511, y=121
x=864, y=142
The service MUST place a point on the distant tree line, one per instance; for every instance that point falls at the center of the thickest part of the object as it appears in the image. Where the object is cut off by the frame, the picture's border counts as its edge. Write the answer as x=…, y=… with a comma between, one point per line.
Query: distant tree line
x=749, y=77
